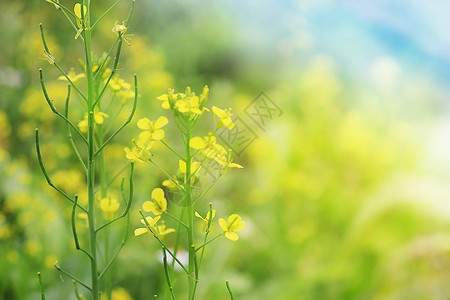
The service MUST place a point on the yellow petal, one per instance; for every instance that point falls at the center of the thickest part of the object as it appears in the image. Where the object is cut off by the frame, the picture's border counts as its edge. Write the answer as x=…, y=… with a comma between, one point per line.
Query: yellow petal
x=144, y=124
x=77, y=10
x=161, y=122
x=139, y=231
x=235, y=165
x=223, y=224
x=182, y=165
x=148, y=206
x=232, y=236
x=197, y=143
x=158, y=135
x=158, y=194
x=218, y=112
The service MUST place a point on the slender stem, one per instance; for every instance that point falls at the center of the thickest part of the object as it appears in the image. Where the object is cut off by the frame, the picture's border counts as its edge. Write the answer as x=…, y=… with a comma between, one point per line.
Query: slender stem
x=41, y=285
x=75, y=289
x=211, y=240
x=71, y=276
x=91, y=162
x=64, y=8
x=176, y=219
x=207, y=190
x=126, y=122
x=130, y=200
x=74, y=229
x=175, y=152
x=52, y=107
x=106, y=58
x=104, y=14
x=229, y=289
x=69, y=133
x=167, y=274
x=41, y=164
x=162, y=243
x=190, y=219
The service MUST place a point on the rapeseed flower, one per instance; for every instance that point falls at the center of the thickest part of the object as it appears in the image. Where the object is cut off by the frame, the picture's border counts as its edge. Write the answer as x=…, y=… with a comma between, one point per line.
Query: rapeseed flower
x=158, y=205
x=209, y=147
x=234, y=224
x=224, y=116
x=152, y=130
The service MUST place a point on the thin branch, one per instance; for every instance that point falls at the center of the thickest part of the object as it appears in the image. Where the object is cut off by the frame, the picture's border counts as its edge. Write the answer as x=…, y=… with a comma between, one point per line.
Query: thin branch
x=105, y=13
x=52, y=107
x=74, y=229
x=163, y=245
x=166, y=272
x=133, y=110
x=130, y=200
x=69, y=133
x=41, y=285
x=71, y=276
x=41, y=164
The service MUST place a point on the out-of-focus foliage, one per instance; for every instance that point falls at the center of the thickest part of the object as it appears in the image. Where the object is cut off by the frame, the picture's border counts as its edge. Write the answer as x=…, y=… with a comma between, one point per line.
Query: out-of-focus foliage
x=344, y=194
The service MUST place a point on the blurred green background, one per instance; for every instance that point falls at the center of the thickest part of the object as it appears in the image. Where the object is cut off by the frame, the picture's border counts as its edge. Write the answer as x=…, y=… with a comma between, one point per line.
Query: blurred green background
x=345, y=188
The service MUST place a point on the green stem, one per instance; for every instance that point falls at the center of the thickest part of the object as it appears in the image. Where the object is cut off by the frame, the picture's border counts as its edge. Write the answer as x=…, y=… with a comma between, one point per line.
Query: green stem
x=214, y=238
x=91, y=163
x=41, y=285
x=175, y=152
x=72, y=277
x=229, y=289
x=190, y=219
x=104, y=14
x=167, y=274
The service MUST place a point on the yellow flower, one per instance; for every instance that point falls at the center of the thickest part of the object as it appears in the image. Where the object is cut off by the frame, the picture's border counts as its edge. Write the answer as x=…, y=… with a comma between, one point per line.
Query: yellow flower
x=117, y=84
x=159, y=203
x=72, y=76
x=99, y=117
x=209, y=147
x=109, y=206
x=195, y=167
x=234, y=224
x=137, y=154
x=208, y=218
x=227, y=164
x=224, y=116
x=162, y=231
x=77, y=11
x=118, y=294
x=190, y=106
x=169, y=99
x=170, y=184
x=81, y=15
x=151, y=222
x=152, y=129
x=152, y=229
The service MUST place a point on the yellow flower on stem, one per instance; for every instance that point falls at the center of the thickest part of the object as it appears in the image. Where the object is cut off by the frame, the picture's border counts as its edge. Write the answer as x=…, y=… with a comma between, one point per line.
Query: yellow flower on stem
x=109, y=206
x=158, y=205
x=224, y=117
x=227, y=164
x=208, y=219
x=170, y=184
x=99, y=117
x=80, y=13
x=234, y=224
x=159, y=231
x=209, y=147
x=139, y=152
x=195, y=167
x=152, y=129
x=150, y=229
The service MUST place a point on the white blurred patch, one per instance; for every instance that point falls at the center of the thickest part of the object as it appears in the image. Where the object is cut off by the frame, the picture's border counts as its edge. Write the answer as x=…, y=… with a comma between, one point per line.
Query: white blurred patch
x=385, y=72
